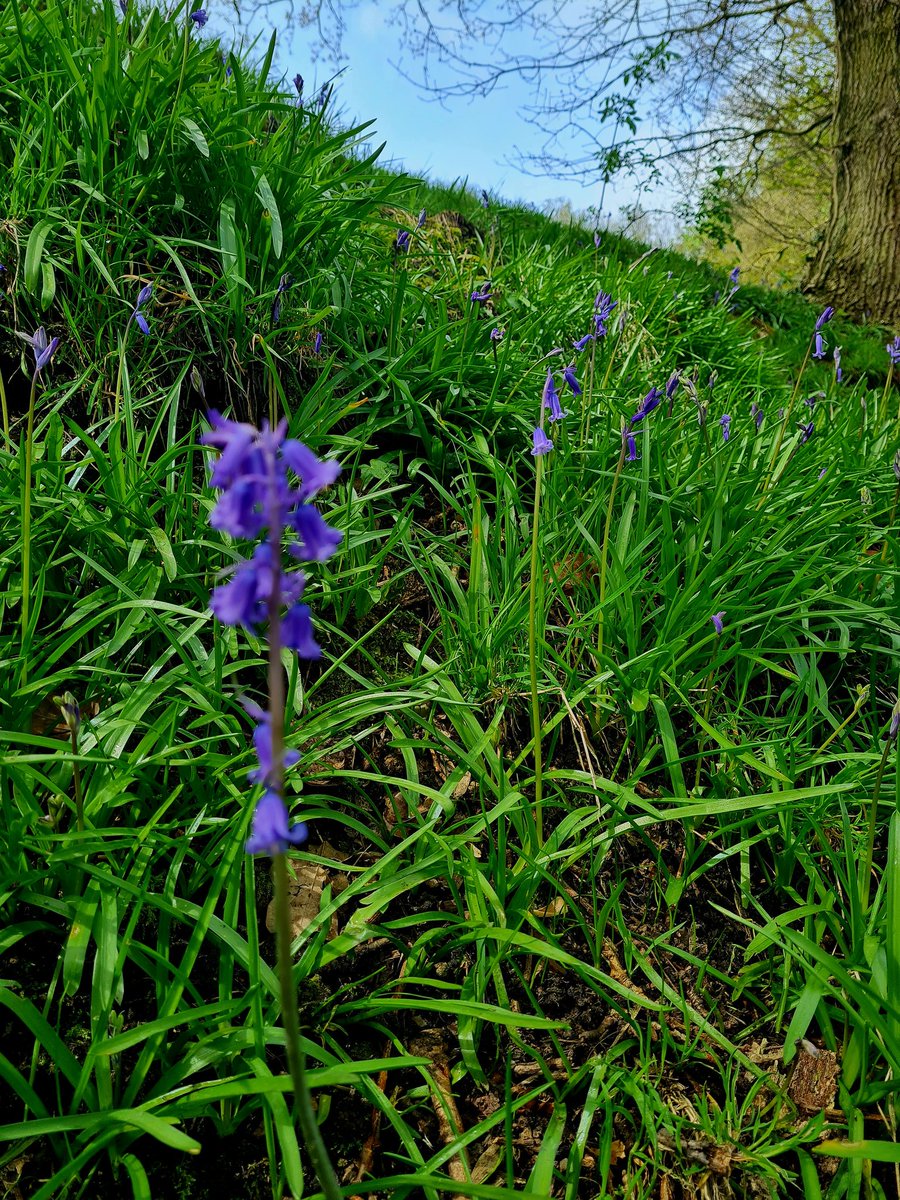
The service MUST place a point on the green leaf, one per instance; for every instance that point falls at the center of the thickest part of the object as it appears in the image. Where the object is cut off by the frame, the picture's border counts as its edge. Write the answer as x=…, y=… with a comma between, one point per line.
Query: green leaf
x=195, y=134
x=34, y=252
x=267, y=196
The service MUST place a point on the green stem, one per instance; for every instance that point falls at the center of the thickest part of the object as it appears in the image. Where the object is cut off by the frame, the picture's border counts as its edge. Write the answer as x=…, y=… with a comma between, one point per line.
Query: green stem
x=532, y=657
x=303, y=1105
x=76, y=776
x=865, y=870
x=884, y=395
x=5, y=410
x=26, y=524
x=604, y=550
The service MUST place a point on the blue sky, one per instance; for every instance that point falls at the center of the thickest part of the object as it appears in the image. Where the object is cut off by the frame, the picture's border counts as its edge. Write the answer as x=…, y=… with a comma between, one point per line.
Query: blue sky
x=478, y=139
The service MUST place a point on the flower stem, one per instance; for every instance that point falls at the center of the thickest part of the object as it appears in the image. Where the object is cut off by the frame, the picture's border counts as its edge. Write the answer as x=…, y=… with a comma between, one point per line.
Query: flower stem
x=784, y=424
x=309, y=1128
x=532, y=659
x=604, y=550
x=26, y=525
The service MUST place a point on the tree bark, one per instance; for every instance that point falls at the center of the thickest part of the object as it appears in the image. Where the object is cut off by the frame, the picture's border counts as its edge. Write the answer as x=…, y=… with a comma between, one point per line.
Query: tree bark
x=857, y=265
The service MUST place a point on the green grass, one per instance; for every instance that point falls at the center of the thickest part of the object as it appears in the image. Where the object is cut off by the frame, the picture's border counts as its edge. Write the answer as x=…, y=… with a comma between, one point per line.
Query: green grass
x=620, y=1002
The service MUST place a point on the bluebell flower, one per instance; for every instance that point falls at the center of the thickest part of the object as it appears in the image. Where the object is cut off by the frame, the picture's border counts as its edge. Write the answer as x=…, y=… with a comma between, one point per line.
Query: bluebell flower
x=893, y=349
x=315, y=473
x=718, y=620
x=262, y=742
x=402, y=242
x=485, y=199
x=144, y=295
x=317, y=344
x=757, y=414
x=318, y=540
x=672, y=385
x=894, y=727
x=297, y=632
x=596, y=239
x=200, y=17
x=551, y=398
x=631, y=446
x=603, y=306
x=819, y=351
x=647, y=405
x=269, y=833
x=283, y=284
x=583, y=341
x=42, y=347
x=298, y=85
x=422, y=217
x=823, y=472
x=482, y=295
x=896, y=466
x=824, y=317
x=806, y=432
x=725, y=422
x=571, y=380
x=542, y=444
x=734, y=274
x=497, y=334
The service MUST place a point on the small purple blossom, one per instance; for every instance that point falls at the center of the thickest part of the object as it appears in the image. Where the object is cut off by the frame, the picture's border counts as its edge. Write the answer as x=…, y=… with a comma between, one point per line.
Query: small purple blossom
x=824, y=317
x=480, y=296
x=422, y=217
x=269, y=833
x=497, y=334
x=262, y=743
x=402, y=240
x=298, y=85
x=583, y=341
x=42, y=348
x=317, y=344
x=571, y=379
x=144, y=296
x=596, y=239
x=896, y=466
x=200, y=17
x=603, y=306
x=819, y=351
x=485, y=199
x=806, y=432
x=725, y=422
x=735, y=274
x=630, y=446
x=647, y=405
x=551, y=398
x=672, y=385
x=718, y=620
x=542, y=444
x=894, y=727
x=757, y=414
x=893, y=349
x=823, y=472
x=283, y=284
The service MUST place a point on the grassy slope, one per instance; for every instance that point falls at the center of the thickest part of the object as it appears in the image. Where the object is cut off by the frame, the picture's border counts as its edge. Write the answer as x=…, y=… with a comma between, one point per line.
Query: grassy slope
x=617, y=1003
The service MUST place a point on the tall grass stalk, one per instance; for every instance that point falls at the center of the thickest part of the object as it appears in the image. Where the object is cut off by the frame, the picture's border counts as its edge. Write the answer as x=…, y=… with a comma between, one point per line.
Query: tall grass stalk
x=533, y=652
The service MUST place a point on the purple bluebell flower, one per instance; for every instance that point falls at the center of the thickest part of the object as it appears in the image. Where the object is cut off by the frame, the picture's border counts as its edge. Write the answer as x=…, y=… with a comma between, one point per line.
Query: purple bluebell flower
x=318, y=540
x=542, y=444
x=838, y=373
x=823, y=472
x=725, y=422
x=896, y=466
x=894, y=727
x=672, y=385
x=718, y=620
x=571, y=379
x=123, y=7
x=819, y=351
x=317, y=344
x=42, y=348
x=422, y=217
x=200, y=17
x=485, y=199
x=497, y=334
x=806, y=432
x=298, y=85
x=482, y=295
x=269, y=833
x=297, y=632
x=630, y=446
x=551, y=398
x=283, y=284
x=583, y=341
x=603, y=306
x=893, y=349
x=596, y=239
x=262, y=742
x=735, y=274
x=402, y=241
x=647, y=405
x=144, y=295
x=824, y=317
x=757, y=414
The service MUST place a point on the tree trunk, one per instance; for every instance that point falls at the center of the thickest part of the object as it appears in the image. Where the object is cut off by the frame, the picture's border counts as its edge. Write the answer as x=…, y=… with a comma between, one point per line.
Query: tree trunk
x=857, y=266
